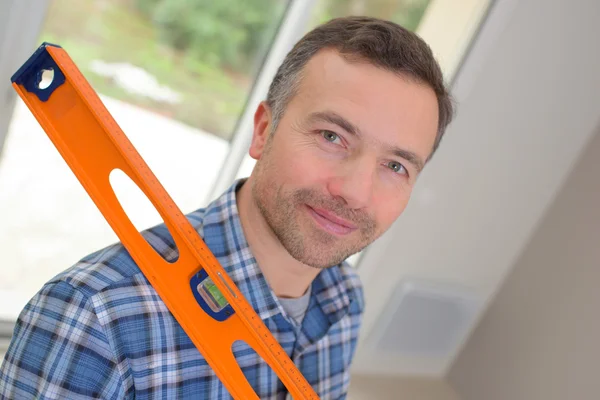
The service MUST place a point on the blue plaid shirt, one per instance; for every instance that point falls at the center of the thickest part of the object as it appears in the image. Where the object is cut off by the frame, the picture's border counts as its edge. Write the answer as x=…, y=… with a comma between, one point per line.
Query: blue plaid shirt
x=99, y=330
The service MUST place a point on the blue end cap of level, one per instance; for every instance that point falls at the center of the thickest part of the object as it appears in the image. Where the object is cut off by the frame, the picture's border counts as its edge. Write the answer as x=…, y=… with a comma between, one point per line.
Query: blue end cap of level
x=30, y=74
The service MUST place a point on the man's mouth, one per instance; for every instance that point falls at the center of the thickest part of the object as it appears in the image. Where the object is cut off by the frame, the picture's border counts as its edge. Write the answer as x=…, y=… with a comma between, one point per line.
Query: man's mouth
x=330, y=222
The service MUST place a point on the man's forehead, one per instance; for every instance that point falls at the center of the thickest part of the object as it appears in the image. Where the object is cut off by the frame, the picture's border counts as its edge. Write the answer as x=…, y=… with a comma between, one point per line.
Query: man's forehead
x=328, y=66
x=330, y=72
x=329, y=76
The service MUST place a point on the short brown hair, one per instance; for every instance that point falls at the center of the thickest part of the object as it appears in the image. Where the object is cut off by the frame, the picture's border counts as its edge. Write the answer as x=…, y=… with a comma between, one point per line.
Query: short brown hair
x=359, y=38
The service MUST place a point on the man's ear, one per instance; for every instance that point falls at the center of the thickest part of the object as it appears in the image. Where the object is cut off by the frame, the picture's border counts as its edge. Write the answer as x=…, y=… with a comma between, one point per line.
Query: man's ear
x=262, y=129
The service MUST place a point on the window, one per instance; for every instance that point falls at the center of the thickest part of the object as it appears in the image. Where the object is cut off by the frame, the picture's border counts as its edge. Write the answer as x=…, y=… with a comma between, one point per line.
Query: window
x=182, y=78
x=175, y=74
x=407, y=13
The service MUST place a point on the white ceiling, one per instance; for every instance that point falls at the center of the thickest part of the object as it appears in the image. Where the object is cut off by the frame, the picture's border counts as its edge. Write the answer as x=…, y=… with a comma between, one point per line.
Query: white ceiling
x=528, y=97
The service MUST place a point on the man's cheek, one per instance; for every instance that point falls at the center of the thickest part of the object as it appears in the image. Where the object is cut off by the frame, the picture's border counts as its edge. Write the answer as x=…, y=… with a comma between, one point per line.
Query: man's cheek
x=304, y=169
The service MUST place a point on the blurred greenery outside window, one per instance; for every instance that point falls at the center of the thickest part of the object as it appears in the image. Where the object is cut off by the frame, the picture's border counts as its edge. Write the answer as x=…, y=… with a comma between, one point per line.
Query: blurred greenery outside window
x=191, y=60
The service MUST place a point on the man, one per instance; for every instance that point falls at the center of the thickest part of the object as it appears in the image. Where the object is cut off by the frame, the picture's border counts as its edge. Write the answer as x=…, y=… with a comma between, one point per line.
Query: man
x=354, y=113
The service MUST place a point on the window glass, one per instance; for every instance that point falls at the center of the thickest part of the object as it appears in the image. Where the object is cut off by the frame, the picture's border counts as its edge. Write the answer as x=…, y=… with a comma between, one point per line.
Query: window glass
x=176, y=75
x=407, y=13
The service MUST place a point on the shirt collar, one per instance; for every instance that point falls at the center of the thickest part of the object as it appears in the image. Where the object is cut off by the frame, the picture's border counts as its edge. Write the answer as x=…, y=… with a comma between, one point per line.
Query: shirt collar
x=334, y=288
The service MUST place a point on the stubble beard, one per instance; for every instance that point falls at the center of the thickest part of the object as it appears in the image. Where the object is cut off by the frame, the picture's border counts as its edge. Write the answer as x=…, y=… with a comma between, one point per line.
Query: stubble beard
x=312, y=246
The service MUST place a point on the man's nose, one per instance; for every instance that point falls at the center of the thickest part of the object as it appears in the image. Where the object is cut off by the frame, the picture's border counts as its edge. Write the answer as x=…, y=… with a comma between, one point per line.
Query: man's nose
x=354, y=183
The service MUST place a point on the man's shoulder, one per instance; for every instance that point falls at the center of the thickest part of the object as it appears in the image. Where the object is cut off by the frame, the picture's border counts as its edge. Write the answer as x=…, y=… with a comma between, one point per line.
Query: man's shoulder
x=113, y=266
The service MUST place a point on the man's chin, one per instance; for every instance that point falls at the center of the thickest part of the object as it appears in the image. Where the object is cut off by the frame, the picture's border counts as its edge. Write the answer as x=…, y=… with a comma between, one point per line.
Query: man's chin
x=316, y=258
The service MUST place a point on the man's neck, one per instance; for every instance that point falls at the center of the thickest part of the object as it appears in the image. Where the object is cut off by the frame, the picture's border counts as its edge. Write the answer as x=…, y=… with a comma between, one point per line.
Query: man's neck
x=287, y=276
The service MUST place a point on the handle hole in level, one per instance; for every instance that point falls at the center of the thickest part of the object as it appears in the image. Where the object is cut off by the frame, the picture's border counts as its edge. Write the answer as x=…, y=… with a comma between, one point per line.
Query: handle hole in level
x=45, y=78
x=140, y=210
x=246, y=358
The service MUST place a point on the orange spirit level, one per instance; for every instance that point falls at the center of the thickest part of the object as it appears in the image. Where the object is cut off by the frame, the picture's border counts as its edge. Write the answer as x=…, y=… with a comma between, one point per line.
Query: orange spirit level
x=195, y=288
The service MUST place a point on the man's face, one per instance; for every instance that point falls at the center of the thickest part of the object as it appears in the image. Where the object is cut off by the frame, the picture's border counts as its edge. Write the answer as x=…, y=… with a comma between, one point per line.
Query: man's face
x=342, y=163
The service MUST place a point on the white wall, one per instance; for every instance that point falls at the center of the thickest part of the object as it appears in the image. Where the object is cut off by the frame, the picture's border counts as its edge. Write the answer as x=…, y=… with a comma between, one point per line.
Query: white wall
x=528, y=101
x=539, y=340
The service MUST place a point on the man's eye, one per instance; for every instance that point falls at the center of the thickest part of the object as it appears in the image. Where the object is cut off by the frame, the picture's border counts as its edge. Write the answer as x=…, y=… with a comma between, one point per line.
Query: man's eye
x=396, y=167
x=329, y=136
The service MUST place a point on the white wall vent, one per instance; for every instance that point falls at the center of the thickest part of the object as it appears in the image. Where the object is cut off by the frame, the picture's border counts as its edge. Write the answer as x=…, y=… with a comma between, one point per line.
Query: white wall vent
x=425, y=319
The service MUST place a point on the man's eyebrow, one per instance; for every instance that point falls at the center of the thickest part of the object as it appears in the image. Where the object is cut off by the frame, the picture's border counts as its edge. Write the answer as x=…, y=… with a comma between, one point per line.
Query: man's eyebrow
x=409, y=156
x=334, y=118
